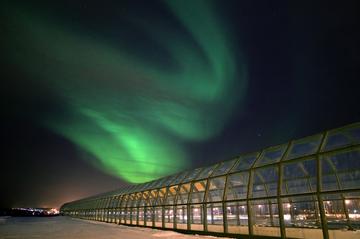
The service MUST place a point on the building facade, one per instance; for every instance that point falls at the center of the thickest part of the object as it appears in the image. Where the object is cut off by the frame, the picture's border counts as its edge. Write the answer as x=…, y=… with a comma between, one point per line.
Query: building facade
x=306, y=188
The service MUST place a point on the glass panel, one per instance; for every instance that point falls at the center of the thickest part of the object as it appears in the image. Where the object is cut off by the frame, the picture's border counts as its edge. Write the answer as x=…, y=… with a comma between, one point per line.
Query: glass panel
x=271, y=155
x=151, y=185
x=216, y=189
x=158, y=214
x=224, y=167
x=334, y=211
x=170, y=180
x=180, y=178
x=237, y=186
x=206, y=172
x=124, y=200
x=214, y=214
x=169, y=214
x=152, y=197
x=299, y=177
x=302, y=217
x=303, y=147
x=171, y=194
x=342, y=137
x=149, y=215
x=196, y=214
x=237, y=217
x=245, y=162
x=183, y=193
x=264, y=213
x=134, y=213
x=122, y=214
x=264, y=182
x=198, y=191
x=352, y=205
x=192, y=175
x=341, y=170
x=181, y=214
x=160, y=182
x=161, y=196
x=132, y=200
x=143, y=199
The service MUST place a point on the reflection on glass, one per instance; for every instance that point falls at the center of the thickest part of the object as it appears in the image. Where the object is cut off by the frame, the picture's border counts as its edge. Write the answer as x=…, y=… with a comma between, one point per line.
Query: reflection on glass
x=196, y=214
x=214, y=213
x=301, y=212
x=237, y=213
x=181, y=214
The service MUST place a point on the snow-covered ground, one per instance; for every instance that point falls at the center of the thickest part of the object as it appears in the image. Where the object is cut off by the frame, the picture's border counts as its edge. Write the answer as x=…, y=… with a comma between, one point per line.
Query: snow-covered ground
x=68, y=228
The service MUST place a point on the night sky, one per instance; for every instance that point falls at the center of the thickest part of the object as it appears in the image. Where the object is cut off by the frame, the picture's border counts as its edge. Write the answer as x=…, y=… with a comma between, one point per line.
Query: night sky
x=102, y=94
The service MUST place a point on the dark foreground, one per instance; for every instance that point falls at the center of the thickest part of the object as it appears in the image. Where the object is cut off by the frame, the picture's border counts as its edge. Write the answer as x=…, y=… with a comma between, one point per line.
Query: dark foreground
x=68, y=228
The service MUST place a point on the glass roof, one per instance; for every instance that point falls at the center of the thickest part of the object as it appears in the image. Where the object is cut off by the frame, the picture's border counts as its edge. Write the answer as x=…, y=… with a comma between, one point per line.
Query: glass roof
x=271, y=155
x=224, y=167
x=337, y=152
x=245, y=162
x=345, y=136
x=206, y=172
x=192, y=175
x=304, y=147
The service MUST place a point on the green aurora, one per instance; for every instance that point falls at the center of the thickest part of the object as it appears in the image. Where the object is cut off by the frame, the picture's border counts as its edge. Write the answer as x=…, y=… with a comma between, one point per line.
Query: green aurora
x=134, y=115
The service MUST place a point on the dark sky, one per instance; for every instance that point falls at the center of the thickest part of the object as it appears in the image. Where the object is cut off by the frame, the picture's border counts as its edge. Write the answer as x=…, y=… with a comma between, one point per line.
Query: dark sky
x=100, y=94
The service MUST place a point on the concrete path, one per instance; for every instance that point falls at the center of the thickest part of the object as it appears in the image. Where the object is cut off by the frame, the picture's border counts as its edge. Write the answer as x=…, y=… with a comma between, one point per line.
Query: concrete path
x=70, y=228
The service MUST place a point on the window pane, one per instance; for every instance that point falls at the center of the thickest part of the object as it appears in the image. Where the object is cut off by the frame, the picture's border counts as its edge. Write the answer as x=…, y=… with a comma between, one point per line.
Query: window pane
x=192, y=175
x=158, y=215
x=245, y=162
x=302, y=217
x=181, y=214
x=334, y=211
x=237, y=217
x=206, y=172
x=183, y=193
x=264, y=182
x=215, y=217
x=196, y=214
x=303, y=147
x=216, y=189
x=149, y=214
x=134, y=214
x=171, y=194
x=265, y=215
x=352, y=204
x=237, y=186
x=271, y=155
x=198, y=191
x=224, y=167
x=169, y=217
x=341, y=170
x=161, y=196
x=180, y=178
x=299, y=177
x=343, y=137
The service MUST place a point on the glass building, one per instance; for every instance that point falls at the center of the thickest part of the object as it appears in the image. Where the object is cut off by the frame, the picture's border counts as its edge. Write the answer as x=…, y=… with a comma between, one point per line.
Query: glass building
x=307, y=188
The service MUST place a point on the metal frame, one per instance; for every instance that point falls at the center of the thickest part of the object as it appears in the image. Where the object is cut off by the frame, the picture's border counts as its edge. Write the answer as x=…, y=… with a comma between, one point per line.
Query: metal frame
x=109, y=207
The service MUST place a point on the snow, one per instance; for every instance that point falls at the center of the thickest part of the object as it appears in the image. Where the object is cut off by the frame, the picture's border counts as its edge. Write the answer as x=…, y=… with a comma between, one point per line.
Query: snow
x=68, y=228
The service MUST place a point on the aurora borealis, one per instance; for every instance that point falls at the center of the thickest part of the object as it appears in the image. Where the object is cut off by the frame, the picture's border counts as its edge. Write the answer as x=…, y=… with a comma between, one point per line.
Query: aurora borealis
x=130, y=113
x=98, y=95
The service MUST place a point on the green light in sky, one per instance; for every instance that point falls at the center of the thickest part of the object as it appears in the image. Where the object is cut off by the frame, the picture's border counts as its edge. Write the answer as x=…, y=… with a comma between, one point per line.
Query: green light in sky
x=132, y=114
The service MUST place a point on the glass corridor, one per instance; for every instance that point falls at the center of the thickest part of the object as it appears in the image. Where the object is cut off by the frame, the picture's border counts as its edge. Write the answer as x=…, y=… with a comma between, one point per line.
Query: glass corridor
x=307, y=188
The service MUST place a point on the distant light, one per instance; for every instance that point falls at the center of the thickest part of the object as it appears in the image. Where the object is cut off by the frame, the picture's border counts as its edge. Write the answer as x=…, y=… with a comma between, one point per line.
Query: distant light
x=347, y=202
x=287, y=217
